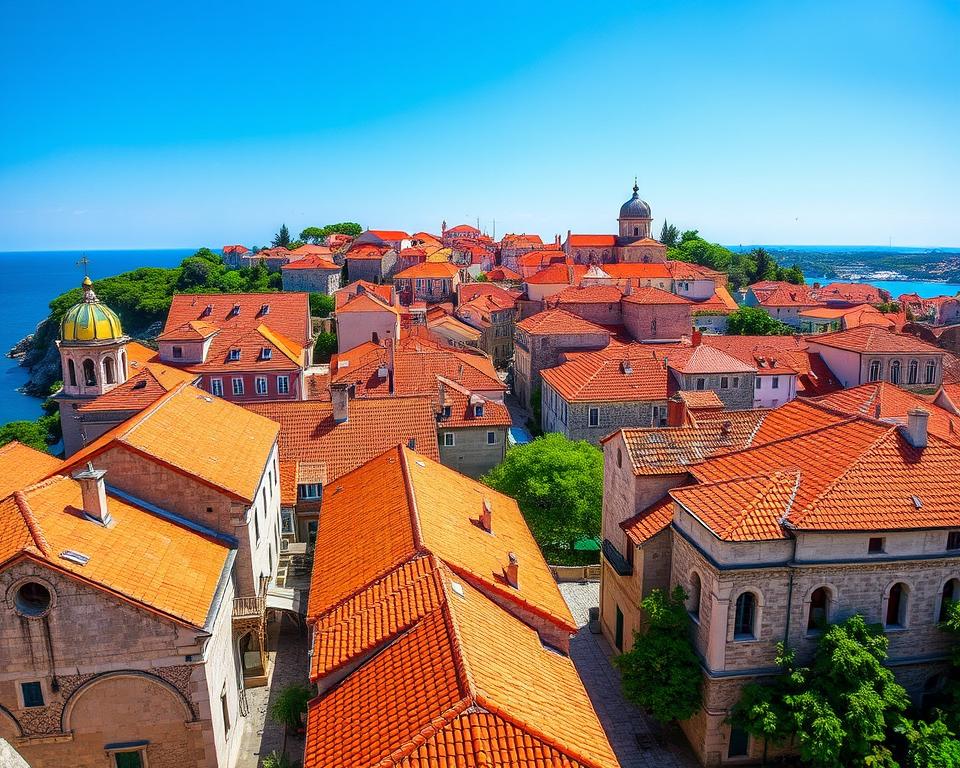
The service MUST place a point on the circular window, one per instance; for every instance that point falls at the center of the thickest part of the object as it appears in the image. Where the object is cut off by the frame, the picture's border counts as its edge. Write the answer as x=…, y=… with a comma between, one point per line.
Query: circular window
x=32, y=599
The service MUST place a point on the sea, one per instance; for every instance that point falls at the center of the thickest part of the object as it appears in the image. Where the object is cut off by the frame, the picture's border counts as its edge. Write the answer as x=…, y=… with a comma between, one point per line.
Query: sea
x=31, y=279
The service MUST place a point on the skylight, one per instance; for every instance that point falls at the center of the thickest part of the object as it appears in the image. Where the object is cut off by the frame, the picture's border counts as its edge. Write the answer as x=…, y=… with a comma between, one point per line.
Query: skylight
x=75, y=557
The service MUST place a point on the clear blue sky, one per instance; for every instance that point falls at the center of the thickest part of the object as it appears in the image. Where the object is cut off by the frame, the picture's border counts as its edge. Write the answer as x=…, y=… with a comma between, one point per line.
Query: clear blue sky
x=179, y=124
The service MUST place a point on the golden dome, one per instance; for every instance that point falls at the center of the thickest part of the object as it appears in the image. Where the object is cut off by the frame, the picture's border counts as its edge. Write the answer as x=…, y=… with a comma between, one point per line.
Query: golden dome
x=90, y=320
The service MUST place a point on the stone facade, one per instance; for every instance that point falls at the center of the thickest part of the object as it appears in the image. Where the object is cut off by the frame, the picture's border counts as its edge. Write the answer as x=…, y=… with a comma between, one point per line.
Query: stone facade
x=312, y=280
x=657, y=321
x=534, y=352
x=371, y=270
x=113, y=674
x=472, y=453
x=592, y=421
x=735, y=390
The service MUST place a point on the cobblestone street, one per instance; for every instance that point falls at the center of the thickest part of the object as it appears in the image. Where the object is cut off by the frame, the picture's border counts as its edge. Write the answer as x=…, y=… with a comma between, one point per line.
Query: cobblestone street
x=635, y=738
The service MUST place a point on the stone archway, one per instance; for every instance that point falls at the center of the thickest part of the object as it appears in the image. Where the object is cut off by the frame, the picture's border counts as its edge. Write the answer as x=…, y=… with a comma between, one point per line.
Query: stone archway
x=147, y=679
x=10, y=731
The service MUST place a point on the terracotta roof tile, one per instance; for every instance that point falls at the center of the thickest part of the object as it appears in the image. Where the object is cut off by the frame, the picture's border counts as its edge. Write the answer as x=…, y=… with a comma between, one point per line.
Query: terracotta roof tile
x=867, y=339
x=704, y=359
x=343, y=295
x=655, y=296
x=429, y=269
x=220, y=443
x=390, y=234
x=139, y=391
x=592, y=241
x=638, y=271
x=592, y=294
x=314, y=261
x=504, y=274
x=558, y=321
x=288, y=313
x=463, y=404
x=21, y=465
x=646, y=524
x=623, y=374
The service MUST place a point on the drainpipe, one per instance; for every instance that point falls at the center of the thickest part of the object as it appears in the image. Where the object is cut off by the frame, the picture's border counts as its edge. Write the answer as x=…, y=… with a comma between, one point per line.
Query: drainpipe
x=793, y=558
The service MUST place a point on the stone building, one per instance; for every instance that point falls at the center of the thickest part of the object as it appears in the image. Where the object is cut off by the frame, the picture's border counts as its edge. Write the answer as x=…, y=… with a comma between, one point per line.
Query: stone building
x=371, y=262
x=701, y=368
x=471, y=429
x=771, y=540
x=491, y=310
x=540, y=340
x=649, y=313
x=431, y=281
x=312, y=274
x=116, y=636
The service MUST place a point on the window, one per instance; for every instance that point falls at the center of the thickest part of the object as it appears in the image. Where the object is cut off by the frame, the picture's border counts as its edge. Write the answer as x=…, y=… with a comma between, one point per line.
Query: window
x=478, y=411
x=619, y=458
x=756, y=383
x=618, y=632
x=129, y=759
x=875, y=367
x=930, y=372
x=89, y=374
x=950, y=594
x=953, y=540
x=32, y=694
x=913, y=371
x=32, y=599
x=234, y=354
x=701, y=384
x=875, y=545
x=283, y=385
x=819, y=609
x=724, y=383
x=261, y=383
x=225, y=711
x=266, y=353
x=636, y=231
x=659, y=415
x=310, y=490
x=110, y=370
x=896, y=606
x=736, y=382
x=895, y=372
x=216, y=387
x=775, y=382
x=72, y=373
x=177, y=352
x=286, y=521
x=375, y=337
x=256, y=525
x=448, y=439
x=238, y=386
x=745, y=617
x=594, y=417
x=491, y=438
x=446, y=412
x=693, y=602
x=739, y=743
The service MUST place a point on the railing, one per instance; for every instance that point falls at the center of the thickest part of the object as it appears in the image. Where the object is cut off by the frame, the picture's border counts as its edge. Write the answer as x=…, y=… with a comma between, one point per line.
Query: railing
x=564, y=573
x=617, y=561
x=249, y=607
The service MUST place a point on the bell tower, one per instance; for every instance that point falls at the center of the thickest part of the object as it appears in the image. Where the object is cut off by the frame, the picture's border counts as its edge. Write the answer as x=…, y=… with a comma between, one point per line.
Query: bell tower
x=635, y=217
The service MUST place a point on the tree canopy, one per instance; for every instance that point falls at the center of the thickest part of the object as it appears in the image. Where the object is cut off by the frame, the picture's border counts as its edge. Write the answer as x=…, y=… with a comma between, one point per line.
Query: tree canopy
x=282, y=238
x=753, y=321
x=661, y=673
x=742, y=268
x=321, y=304
x=558, y=484
x=669, y=235
x=317, y=235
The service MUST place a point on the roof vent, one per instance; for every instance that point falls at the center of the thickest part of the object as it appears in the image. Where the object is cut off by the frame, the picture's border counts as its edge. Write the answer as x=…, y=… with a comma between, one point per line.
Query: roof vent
x=457, y=589
x=235, y=310
x=626, y=367
x=486, y=516
x=140, y=384
x=207, y=310
x=75, y=557
x=917, y=502
x=264, y=309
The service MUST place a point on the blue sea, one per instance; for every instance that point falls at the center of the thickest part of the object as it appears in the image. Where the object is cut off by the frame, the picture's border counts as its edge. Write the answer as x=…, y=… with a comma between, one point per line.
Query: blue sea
x=30, y=281
x=32, y=278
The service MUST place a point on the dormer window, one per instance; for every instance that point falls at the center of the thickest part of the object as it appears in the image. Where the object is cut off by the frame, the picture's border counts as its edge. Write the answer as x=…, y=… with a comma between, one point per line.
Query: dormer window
x=207, y=310
x=266, y=353
x=309, y=490
x=265, y=309
x=446, y=412
x=234, y=354
x=478, y=411
x=235, y=311
x=177, y=352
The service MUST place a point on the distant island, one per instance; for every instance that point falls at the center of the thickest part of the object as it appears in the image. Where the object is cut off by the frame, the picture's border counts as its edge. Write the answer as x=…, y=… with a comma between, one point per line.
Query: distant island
x=869, y=262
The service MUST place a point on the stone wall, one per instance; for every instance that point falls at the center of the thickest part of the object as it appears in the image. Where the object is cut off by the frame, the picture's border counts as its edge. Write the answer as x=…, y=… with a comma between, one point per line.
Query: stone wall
x=471, y=454
x=311, y=280
x=737, y=395
x=649, y=321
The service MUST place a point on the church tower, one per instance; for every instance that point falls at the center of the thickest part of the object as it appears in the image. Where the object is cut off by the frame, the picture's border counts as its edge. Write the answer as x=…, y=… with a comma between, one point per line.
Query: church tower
x=94, y=359
x=635, y=217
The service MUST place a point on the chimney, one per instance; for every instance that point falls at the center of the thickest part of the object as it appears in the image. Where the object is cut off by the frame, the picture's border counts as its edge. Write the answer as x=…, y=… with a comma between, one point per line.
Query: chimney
x=916, y=430
x=94, y=493
x=513, y=571
x=695, y=338
x=340, y=396
x=676, y=412
x=486, y=517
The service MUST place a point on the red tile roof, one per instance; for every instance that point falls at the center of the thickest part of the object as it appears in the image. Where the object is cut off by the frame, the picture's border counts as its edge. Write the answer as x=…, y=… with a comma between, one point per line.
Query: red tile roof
x=592, y=241
x=288, y=313
x=558, y=321
x=540, y=258
x=429, y=269
x=365, y=302
x=309, y=434
x=558, y=274
x=390, y=234
x=467, y=292
x=871, y=339
x=625, y=374
x=193, y=330
x=464, y=228
x=651, y=295
x=638, y=271
x=285, y=354
x=343, y=295
x=462, y=404
x=137, y=392
x=21, y=465
x=646, y=524
x=583, y=294
x=503, y=274
x=313, y=262
x=234, y=249
x=703, y=359
x=366, y=252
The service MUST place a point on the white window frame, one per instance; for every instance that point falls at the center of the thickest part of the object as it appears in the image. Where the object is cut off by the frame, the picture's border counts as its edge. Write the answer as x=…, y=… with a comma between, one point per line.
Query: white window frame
x=590, y=417
x=216, y=387
x=288, y=525
x=234, y=382
x=257, y=382
x=491, y=438
x=309, y=491
x=449, y=439
x=234, y=354
x=283, y=385
x=266, y=353
x=478, y=411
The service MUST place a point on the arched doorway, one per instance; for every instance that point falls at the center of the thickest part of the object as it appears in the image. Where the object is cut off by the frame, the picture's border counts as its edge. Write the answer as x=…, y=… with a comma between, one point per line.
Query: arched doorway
x=252, y=657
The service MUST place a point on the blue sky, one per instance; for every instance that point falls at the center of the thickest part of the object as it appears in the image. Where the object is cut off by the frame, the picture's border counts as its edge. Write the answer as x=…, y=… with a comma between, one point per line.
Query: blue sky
x=181, y=124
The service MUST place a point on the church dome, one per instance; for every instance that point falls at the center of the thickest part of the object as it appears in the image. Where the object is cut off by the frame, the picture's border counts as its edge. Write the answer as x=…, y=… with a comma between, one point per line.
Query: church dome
x=90, y=320
x=635, y=208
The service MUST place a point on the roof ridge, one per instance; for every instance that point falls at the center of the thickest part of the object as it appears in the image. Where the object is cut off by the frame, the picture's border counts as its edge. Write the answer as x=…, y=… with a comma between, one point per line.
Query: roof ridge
x=33, y=525
x=411, y=499
x=773, y=480
x=464, y=673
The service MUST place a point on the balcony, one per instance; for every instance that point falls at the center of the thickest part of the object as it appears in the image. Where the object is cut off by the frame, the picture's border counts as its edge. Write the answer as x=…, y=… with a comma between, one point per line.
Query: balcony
x=248, y=608
x=617, y=561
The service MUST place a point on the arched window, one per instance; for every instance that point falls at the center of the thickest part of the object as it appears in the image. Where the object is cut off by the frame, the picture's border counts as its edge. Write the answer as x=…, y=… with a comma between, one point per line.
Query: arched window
x=896, y=606
x=636, y=231
x=950, y=594
x=89, y=373
x=123, y=365
x=875, y=368
x=110, y=370
x=930, y=372
x=819, y=609
x=913, y=371
x=895, y=372
x=71, y=373
x=745, y=617
x=619, y=458
x=693, y=602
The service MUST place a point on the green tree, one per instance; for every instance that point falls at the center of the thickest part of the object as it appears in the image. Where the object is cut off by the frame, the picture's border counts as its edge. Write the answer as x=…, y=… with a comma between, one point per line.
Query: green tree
x=558, y=484
x=761, y=710
x=32, y=433
x=313, y=235
x=669, y=234
x=321, y=304
x=930, y=745
x=317, y=235
x=324, y=346
x=290, y=706
x=951, y=705
x=765, y=268
x=282, y=238
x=753, y=321
x=661, y=673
